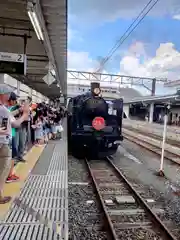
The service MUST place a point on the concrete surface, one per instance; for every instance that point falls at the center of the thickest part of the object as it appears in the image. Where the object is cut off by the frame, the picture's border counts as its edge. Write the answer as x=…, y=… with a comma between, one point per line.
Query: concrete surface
x=155, y=142
x=143, y=165
x=173, y=133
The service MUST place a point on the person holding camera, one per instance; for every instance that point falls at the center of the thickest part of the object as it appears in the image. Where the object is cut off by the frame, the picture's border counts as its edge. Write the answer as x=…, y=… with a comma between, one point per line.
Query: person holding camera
x=7, y=122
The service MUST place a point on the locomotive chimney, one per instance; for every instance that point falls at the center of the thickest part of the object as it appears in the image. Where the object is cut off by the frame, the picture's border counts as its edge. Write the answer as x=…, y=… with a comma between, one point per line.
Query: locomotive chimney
x=95, y=88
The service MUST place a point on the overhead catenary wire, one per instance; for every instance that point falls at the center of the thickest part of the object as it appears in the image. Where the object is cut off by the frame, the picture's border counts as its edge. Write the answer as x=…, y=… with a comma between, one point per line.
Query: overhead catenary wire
x=124, y=36
x=121, y=40
x=117, y=43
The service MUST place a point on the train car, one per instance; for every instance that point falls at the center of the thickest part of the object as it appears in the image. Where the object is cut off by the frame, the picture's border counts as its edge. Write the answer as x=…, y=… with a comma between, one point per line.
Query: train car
x=94, y=126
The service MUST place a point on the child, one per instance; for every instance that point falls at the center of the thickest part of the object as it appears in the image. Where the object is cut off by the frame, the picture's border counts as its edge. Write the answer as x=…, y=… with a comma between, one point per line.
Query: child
x=39, y=131
x=45, y=129
x=53, y=128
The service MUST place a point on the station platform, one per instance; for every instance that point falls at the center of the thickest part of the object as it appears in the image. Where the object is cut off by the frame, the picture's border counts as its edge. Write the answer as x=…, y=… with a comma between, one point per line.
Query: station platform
x=173, y=132
x=170, y=128
x=45, y=190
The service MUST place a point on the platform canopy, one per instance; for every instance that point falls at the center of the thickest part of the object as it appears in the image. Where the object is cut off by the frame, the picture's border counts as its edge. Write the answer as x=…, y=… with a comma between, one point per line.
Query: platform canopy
x=154, y=99
x=44, y=43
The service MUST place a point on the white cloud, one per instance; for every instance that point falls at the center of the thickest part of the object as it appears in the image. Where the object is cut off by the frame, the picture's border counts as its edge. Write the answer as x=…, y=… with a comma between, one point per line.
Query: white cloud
x=93, y=11
x=165, y=64
x=176, y=17
x=81, y=61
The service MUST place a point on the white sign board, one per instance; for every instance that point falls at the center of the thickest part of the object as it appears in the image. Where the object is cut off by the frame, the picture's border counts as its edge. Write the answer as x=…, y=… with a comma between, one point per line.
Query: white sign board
x=12, y=57
x=49, y=79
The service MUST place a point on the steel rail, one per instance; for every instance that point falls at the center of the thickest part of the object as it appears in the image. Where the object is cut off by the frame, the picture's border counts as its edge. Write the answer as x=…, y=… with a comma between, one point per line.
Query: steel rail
x=164, y=230
x=154, y=136
x=152, y=148
x=108, y=220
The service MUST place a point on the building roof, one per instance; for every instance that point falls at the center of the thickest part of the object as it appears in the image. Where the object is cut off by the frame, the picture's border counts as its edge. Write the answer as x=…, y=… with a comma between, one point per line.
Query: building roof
x=107, y=92
x=129, y=93
x=150, y=99
x=16, y=24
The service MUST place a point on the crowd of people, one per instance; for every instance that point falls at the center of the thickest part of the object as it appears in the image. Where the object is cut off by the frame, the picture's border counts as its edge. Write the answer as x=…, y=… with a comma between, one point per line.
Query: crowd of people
x=23, y=124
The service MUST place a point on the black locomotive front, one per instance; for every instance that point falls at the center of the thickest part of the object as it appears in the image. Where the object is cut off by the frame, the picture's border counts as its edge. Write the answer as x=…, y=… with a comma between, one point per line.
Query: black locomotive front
x=93, y=131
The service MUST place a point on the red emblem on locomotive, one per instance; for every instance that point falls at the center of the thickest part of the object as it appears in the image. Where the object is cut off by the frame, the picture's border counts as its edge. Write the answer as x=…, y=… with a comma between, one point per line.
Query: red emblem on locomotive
x=98, y=123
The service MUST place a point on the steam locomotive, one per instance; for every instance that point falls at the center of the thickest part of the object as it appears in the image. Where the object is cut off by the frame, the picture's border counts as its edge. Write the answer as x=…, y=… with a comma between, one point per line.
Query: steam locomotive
x=94, y=125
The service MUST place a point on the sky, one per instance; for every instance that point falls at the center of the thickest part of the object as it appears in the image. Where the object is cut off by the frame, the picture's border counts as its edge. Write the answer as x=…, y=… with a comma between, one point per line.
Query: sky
x=152, y=50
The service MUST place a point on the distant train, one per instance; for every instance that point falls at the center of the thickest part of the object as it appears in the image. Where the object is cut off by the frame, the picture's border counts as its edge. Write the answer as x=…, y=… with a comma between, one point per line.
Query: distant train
x=94, y=125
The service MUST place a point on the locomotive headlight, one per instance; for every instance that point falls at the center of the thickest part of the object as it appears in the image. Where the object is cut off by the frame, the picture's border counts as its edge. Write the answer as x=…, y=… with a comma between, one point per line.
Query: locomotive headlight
x=97, y=91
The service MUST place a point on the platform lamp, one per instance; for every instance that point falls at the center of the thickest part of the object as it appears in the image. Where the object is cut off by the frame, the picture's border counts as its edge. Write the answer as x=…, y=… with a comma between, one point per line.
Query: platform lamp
x=34, y=20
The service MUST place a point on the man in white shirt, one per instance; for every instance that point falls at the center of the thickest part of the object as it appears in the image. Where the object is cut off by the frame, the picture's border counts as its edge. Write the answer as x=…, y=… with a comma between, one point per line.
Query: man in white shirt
x=7, y=121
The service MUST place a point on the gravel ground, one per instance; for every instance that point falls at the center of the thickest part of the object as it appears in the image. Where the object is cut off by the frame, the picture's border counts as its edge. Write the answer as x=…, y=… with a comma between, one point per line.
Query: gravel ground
x=124, y=218
x=87, y=234
x=151, y=161
x=85, y=219
x=80, y=212
x=76, y=170
x=140, y=166
x=138, y=234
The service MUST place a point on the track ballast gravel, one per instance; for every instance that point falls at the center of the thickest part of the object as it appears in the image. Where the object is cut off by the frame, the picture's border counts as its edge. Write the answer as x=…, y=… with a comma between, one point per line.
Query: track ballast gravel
x=85, y=219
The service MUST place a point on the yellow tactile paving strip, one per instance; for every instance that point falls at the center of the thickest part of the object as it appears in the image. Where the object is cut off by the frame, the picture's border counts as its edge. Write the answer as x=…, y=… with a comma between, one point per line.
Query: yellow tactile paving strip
x=22, y=170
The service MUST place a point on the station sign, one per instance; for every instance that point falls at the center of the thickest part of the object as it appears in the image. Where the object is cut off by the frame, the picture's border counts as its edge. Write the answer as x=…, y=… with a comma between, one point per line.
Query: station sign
x=49, y=79
x=13, y=63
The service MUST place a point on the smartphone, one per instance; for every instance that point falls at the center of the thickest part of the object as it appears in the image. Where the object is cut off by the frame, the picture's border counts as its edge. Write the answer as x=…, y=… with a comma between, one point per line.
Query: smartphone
x=4, y=123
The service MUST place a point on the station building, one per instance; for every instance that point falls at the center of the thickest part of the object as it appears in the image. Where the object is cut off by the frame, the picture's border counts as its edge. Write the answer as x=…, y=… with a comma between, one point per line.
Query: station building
x=152, y=108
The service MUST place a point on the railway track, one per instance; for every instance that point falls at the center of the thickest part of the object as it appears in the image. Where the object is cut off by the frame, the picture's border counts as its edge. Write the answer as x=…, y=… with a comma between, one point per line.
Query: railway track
x=151, y=146
x=173, y=142
x=127, y=214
